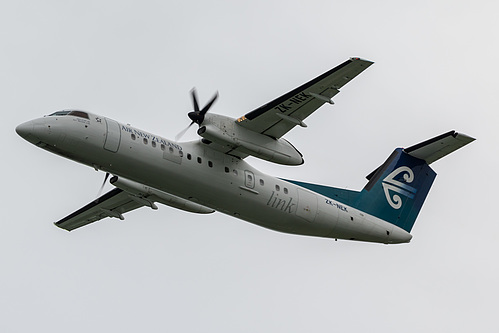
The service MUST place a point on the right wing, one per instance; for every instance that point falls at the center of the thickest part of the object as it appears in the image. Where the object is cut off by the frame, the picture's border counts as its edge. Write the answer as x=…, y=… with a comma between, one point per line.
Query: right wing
x=279, y=116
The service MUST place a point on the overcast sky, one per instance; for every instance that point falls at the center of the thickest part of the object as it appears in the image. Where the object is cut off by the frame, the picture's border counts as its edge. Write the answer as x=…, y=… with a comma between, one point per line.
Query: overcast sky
x=167, y=270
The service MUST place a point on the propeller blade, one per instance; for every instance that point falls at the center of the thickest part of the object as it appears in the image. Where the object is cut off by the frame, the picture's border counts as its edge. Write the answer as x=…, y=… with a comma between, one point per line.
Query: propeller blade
x=103, y=183
x=195, y=100
x=181, y=134
x=197, y=116
x=210, y=103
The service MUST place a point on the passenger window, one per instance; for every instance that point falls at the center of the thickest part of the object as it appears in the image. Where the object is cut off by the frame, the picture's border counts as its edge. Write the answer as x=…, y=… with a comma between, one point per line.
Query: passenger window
x=210, y=164
x=226, y=169
x=189, y=156
x=181, y=153
x=170, y=149
x=200, y=160
x=277, y=188
x=262, y=182
x=163, y=147
x=145, y=141
x=235, y=172
x=153, y=143
x=285, y=191
x=133, y=136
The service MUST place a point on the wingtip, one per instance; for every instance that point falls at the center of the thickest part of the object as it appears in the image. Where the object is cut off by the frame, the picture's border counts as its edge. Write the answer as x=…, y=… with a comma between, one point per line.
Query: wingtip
x=58, y=226
x=361, y=59
x=464, y=137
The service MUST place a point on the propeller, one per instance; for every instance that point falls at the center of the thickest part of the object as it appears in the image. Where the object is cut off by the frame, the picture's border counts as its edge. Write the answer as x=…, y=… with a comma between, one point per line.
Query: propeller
x=197, y=116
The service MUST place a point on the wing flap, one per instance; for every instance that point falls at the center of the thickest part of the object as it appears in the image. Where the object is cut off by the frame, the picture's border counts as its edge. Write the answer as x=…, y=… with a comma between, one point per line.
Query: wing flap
x=112, y=204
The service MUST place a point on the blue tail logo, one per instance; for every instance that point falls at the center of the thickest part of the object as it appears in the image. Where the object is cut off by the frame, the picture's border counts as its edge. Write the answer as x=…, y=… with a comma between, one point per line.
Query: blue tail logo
x=390, y=184
x=397, y=189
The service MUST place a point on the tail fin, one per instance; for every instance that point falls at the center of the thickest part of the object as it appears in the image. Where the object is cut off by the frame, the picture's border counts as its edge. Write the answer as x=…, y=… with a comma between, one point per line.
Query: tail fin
x=397, y=189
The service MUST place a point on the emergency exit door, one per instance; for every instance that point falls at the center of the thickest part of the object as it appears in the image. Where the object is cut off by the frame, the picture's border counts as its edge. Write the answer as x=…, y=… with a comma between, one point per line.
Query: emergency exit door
x=113, y=135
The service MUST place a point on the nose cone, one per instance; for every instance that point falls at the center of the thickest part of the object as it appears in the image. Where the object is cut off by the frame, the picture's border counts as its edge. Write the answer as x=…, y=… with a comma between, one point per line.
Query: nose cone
x=25, y=130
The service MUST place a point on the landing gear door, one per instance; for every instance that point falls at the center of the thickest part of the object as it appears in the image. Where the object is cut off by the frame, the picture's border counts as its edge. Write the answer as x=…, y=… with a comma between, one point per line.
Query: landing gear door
x=307, y=205
x=113, y=135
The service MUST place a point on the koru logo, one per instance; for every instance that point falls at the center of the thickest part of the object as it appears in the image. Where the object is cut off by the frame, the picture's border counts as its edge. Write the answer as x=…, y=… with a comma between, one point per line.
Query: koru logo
x=390, y=184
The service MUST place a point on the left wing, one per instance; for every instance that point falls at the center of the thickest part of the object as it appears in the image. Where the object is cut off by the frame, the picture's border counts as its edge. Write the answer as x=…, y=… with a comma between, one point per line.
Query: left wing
x=276, y=118
x=112, y=204
x=127, y=196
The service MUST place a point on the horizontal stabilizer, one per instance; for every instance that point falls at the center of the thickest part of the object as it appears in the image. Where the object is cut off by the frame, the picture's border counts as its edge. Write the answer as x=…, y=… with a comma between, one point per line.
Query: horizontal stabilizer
x=436, y=148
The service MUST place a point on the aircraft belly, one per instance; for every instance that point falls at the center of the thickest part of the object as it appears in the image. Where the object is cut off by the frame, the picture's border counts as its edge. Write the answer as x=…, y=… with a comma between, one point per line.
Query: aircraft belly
x=299, y=211
x=220, y=192
x=224, y=192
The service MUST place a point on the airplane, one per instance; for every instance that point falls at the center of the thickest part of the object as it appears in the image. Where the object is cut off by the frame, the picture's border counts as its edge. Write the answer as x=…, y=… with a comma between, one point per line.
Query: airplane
x=211, y=174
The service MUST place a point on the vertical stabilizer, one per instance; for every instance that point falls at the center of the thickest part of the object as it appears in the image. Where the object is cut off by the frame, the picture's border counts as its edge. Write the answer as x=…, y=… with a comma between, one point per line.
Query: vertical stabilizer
x=396, y=191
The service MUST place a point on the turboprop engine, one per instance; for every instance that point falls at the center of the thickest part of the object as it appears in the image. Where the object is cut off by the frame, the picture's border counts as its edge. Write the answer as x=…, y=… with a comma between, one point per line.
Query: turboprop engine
x=225, y=131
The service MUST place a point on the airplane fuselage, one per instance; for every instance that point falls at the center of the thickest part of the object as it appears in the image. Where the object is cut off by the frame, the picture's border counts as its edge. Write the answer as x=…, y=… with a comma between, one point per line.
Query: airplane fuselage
x=196, y=173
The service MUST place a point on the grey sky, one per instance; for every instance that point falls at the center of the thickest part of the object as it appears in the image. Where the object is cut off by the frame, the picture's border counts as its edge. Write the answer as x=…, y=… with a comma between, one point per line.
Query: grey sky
x=169, y=270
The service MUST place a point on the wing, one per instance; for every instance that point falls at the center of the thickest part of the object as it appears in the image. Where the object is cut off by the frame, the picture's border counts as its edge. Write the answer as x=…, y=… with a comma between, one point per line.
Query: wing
x=128, y=195
x=112, y=204
x=282, y=114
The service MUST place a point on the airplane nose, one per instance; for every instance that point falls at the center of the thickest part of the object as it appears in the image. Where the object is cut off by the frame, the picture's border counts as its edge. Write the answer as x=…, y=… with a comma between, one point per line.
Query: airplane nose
x=25, y=130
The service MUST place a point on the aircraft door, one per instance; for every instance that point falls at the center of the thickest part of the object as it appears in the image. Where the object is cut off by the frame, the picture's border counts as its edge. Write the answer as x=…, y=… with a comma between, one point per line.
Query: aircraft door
x=249, y=179
x=307, y=205
x=113, y=135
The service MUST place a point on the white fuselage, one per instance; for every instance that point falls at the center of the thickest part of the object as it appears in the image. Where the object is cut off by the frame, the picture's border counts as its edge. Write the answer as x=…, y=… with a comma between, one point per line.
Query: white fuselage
x=197, y=173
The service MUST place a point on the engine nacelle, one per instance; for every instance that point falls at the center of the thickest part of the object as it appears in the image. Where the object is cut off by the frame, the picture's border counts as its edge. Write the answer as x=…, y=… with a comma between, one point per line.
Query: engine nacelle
x=224, y=131
x=141, y=190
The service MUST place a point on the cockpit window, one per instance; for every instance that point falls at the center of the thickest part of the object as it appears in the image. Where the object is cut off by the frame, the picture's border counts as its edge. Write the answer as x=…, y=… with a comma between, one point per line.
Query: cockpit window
x=80, y=114
x=59, y=113
x=75, y=113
